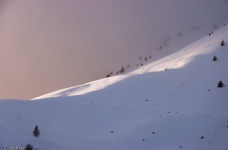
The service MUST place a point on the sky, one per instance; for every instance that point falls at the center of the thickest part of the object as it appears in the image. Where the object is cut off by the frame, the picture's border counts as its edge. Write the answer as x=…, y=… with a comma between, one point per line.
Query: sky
x=50, y=45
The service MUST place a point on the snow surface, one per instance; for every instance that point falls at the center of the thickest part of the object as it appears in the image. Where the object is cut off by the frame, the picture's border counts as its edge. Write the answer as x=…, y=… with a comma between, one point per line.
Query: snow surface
x=176, y=60
x=179, y=105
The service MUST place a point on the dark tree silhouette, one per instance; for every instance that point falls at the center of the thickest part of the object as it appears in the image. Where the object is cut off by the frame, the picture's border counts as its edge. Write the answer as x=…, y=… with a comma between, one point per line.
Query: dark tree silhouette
x=222, y=43
x=29, y=147
x=214, y=58
x=36, y=131
x=220, y=84
x=122, y=70
x=108, y=76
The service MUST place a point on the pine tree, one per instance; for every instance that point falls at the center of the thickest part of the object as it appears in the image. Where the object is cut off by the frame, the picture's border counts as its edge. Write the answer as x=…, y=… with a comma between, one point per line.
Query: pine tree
x=36, y=131
x=122, y=70
x=222, y=43
x=28, y=147
x=214, y=58
x=107, y=76
x=220, y=84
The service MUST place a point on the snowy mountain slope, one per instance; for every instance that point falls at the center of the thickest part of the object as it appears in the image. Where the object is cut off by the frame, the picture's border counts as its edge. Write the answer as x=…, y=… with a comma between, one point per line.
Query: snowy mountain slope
x=173, y=61
x=146, y=109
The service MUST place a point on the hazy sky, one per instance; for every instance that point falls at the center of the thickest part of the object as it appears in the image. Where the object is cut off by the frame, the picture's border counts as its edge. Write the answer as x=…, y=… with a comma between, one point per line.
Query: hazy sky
x=47, y=45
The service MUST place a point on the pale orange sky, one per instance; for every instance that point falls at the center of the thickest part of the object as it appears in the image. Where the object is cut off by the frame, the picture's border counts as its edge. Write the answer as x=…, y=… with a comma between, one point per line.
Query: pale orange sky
x=50, y=45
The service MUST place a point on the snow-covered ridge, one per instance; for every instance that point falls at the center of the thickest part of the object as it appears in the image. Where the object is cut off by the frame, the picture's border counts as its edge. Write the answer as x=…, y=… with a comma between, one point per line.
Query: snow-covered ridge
x=174, y=61
x=149, y=108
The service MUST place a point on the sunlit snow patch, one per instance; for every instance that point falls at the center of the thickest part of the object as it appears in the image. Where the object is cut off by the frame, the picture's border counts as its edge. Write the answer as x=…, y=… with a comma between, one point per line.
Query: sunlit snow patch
x=85, y=88
x=181, y=58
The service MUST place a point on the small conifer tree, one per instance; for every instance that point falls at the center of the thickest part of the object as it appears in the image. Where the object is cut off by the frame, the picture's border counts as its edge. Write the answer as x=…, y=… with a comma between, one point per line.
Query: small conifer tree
x=122, y=70
x=222, y=43
x=28, y=147
x=36, y=131
x=220, y=84
x=108, y=76
x=214, y=58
